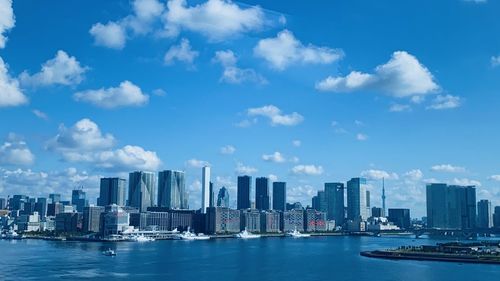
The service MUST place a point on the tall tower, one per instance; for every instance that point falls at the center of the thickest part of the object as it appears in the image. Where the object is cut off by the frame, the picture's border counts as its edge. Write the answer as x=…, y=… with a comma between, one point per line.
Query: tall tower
x=205, y=189
x=383, y=197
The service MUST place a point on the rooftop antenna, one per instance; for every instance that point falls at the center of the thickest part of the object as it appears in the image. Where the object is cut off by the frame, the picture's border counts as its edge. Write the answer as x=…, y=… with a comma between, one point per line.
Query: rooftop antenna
x=383, y=195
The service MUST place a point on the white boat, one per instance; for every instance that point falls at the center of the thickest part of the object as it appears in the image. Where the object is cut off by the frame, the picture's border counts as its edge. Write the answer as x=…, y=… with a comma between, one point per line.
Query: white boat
x=140, y=238
x=297, y=234
x=12, y=234
x=247, y=235
x=109, y=253
x=188, y=235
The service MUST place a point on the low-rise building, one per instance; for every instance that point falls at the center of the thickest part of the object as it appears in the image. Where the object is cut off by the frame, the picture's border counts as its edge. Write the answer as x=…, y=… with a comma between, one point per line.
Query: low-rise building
x=293, y=220
x=68, y=222
x=270, y=221
x=251, y=220
x=222, y=220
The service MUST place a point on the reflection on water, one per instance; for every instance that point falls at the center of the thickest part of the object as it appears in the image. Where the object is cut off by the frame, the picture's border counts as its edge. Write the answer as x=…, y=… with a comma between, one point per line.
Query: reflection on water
x=318, y=258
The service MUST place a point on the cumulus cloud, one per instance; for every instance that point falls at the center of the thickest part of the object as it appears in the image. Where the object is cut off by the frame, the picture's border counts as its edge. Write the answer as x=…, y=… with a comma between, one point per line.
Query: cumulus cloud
x=182, y=53
x=40, y=114
x=111, y=35
x=399, y=108
x=273, y=177
x=15, y=151
x=310, y=170
x=466, y=182
x=275, y=115
x=361, y=137
x=285, y=50
x=402, y=76
x=301, y=193
x=196, y=163
x=494, y=177
x=242, y=169
x=126, y=94
x=414, y=175
x=63, y=69
x=445, y=102
x=275, y=157
x=227, y=149
x=84, y=142
x=448, y=168
x=378, y=175
x=232, y=73
x=215, y=19
x=10, y=93
x=7, y=20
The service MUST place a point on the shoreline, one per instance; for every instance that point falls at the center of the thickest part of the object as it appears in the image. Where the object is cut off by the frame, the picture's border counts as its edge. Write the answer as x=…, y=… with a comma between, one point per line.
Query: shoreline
x=399, y=255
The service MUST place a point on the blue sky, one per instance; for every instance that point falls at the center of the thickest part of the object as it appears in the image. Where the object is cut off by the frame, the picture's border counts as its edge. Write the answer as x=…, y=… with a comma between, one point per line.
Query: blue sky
x=302, y=92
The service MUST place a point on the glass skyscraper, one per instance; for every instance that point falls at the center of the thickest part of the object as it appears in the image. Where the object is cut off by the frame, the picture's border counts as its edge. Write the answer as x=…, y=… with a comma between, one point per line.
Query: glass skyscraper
x=172, y=190
x=223, y=198
x=79, y=199
x=357, y=205
x=334, y=199
x=279, y=196
x=262, y=193
x=112, y=191
x=244, y=190
x=142, y=190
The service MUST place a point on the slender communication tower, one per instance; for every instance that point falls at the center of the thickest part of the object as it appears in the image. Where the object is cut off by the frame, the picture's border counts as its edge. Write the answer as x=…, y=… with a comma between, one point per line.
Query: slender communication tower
x=383, y=195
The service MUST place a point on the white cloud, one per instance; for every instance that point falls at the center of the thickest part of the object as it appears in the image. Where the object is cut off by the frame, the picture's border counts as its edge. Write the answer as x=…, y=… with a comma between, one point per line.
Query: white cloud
x=126, y=94
x=296, y=143
x=196, y=163
x=182, y=52
x=232, y=73
x=495, y=61
x=311, y=170
x=84, y=142
x=276, y=116
x=272, y=177
x=285, y=50
x=379, y=174
x=241, y=169
x=414, y=175
x=402, y=76
x=227, y=149
x=40, y=114
x=447, y=168
x=15, y=151
x=466, y=182
x=494, y=177
x=111, y=35
x=215, y=19
x=399, y=108
x=145, y=13
x=445, y=102
x=476, y=1
x=10, y=93
x=301, y=193
x=7, y=20
x=361, y=137
x=275, y=157
x=62, y=69
x=294, y=159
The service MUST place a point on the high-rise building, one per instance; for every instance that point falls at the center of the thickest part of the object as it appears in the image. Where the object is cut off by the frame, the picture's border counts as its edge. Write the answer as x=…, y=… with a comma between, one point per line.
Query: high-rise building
x=205, y=189
x=55, y=197
x=17, y=202
x=114, y=220
x=112, y=191
x=79, y=199
x=223, y=198
x=142, y=190
x=172, y=190
x=3, y=203
x=279, y=196
x=357, y=206
x=262, y=193
x=377, y=212
x=92, y=218
x=41, y=206
x=212, y=195
x=484, y=214
x=451, y=207
x=244, y=191
x=400, y=217
x=496, y=217
x=334, y=199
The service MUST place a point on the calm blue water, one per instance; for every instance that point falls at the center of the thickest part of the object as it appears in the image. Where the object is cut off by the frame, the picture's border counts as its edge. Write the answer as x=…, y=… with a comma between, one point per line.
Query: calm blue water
x=325, y=258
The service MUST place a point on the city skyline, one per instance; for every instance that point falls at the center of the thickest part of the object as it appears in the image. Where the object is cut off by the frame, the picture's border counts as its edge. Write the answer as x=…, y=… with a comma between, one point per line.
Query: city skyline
x=129, y=87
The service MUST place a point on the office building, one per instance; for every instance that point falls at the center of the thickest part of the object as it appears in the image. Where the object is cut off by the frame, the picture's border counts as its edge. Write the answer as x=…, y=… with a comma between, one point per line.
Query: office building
x=334, y=201
x=496, y=217
x=315, y=221
x=484, y=214
x=223, y=198
x=92, y=218
x=112, y=191
x=400, y=217
x=41, y=206
x=68, y=222
x=79, y=199
x=244, y=189
x=262, y=193
x=221, y=220
x=29, y=223
x=212, y=195
x=114, y=220
x=451, y=207
x=319, y=201
x=377, y=212
x=53, y=209
x=17, y=202
x=3, y=203
x=293, y=219
x=250, y=220
x=172, y=190
x=357, y=205
x=54, y=197
x=279, y=196
x=270, y=221
x=205, y=189
x=142, y=190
